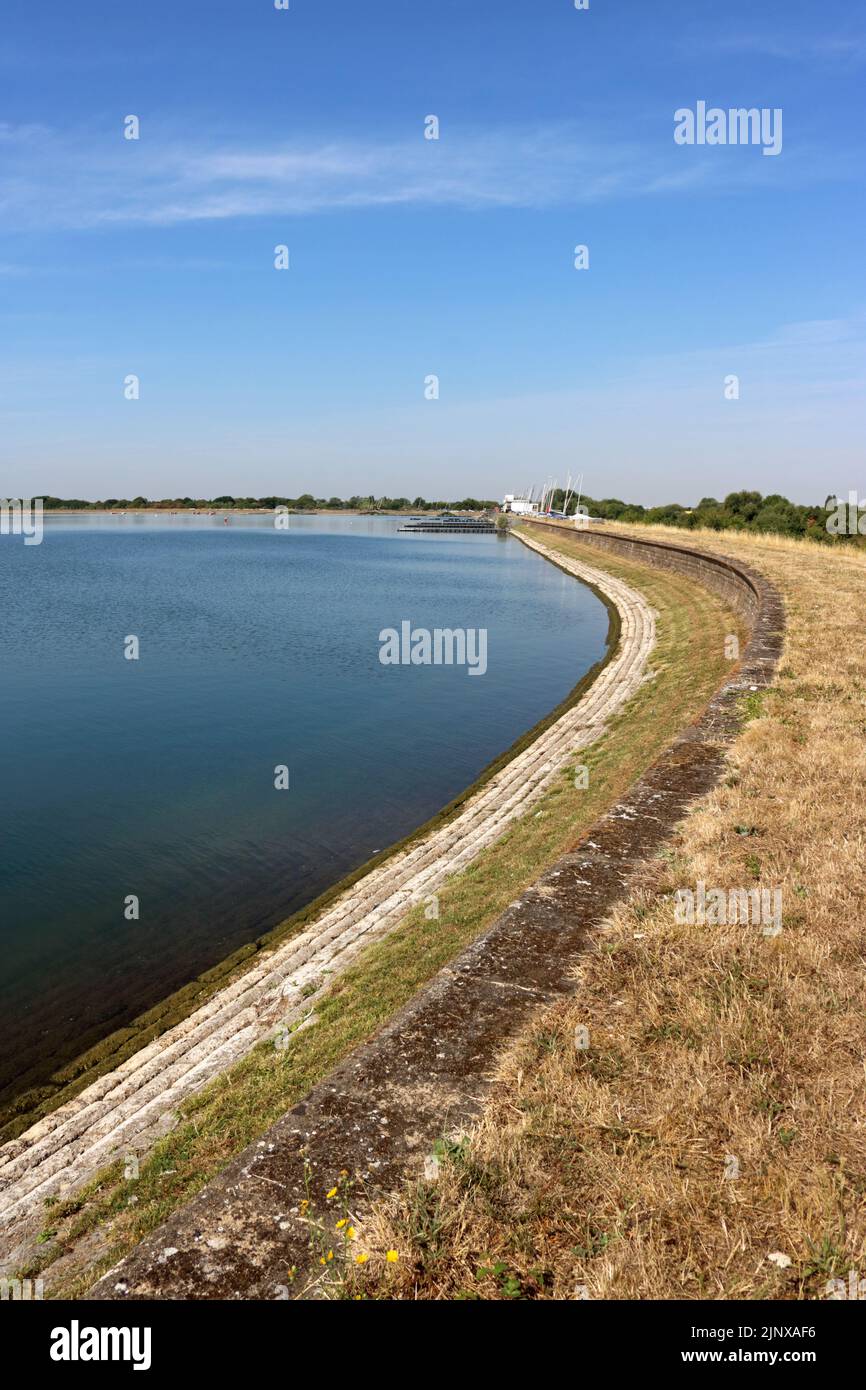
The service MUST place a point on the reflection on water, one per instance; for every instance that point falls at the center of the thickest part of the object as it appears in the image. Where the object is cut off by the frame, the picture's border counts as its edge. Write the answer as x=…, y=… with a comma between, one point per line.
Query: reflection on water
x=155, y=778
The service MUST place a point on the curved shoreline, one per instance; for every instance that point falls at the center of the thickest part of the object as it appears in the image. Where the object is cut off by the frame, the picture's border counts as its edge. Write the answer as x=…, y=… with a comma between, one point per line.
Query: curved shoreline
x=39, y=1095
x=129, y=1105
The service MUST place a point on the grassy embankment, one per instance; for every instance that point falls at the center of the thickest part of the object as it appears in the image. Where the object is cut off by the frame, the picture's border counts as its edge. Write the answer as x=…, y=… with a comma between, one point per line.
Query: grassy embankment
x=718, y=1118
x=87, y=1234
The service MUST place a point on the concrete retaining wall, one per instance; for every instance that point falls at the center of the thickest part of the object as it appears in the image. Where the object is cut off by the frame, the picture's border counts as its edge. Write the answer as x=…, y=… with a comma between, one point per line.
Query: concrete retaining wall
x=741, y=588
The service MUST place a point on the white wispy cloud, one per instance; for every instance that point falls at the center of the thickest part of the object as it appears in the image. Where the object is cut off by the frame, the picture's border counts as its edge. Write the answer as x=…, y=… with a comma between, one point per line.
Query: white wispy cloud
x=813, y=46
x=55, y=178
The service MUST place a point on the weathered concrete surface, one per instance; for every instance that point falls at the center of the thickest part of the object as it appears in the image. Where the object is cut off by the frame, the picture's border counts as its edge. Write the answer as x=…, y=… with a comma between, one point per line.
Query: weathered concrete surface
x=126, y=1109
x=425, y=1074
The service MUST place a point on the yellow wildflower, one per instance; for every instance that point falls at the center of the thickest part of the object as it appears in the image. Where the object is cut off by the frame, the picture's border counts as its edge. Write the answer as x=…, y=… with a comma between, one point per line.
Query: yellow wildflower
x=332, y=1193
x=361, y=1259
x=392, y=1257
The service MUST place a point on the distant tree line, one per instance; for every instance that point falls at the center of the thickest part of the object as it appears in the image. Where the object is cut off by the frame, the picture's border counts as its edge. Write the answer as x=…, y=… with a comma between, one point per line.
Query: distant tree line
x=740, y=511
x=306, y=502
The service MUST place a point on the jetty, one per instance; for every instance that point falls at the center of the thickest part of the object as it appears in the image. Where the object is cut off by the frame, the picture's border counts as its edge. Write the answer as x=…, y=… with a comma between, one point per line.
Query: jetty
x=452, y=525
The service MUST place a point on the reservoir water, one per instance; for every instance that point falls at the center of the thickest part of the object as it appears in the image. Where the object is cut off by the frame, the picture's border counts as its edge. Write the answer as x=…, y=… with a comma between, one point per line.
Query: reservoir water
x=154, y=777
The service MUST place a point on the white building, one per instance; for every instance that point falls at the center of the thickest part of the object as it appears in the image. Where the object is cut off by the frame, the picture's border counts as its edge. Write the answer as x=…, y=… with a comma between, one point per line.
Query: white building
x=519, y=505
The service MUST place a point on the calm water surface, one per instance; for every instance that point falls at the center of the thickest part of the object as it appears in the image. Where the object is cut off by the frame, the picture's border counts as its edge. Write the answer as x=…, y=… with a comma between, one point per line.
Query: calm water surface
x=156, y=777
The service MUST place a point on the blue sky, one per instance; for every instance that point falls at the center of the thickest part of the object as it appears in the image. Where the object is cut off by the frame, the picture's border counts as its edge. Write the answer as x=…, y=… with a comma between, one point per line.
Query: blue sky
x=412, y=257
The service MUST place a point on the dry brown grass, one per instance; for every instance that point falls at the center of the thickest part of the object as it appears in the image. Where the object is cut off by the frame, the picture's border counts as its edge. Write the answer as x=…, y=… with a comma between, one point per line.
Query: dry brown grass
x=606, y=1169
